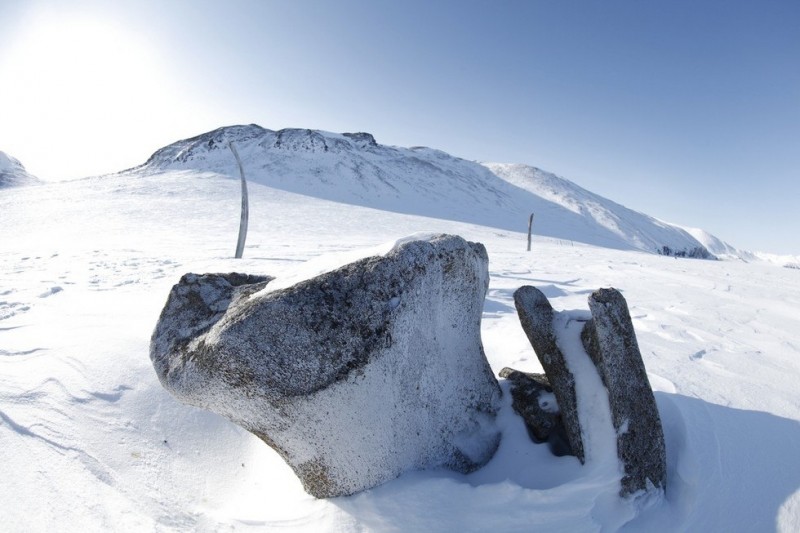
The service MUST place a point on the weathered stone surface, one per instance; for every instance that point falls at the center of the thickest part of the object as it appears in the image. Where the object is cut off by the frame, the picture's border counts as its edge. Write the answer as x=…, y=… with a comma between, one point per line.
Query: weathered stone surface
x=354, y=376
x=533, y=400
x=610, y=341
x=536, y=317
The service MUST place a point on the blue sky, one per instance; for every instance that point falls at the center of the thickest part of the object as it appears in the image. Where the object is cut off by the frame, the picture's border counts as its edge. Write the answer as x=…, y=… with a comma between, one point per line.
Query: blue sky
x=686, y=110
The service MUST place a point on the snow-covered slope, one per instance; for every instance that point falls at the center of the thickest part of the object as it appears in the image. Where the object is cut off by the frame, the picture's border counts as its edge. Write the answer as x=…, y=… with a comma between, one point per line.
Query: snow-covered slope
x=642, y=232
x=13, y=174
x=717, y=246
x=353, y=168
x=90, y=441
x=723, y=250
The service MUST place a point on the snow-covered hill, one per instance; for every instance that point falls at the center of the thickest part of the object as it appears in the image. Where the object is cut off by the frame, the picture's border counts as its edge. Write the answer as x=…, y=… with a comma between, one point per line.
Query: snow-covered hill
x=723, y=250
x=13, y=174
x=353, y=168
x=90, y=441
x=640, y=231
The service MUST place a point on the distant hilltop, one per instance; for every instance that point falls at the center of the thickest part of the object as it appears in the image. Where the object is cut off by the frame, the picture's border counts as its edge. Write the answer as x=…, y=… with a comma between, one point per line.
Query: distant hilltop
x=13, y=174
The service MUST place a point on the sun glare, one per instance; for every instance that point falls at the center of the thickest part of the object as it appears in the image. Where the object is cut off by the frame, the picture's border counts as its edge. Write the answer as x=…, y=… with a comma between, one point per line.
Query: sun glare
x=85, y=77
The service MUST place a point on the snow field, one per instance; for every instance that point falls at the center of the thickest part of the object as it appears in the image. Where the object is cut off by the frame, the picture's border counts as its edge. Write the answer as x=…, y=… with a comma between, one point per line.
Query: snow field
x=90, y=441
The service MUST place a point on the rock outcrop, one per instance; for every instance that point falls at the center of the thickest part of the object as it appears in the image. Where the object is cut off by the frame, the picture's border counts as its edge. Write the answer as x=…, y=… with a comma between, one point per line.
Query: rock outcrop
x=610, y=341
x=354, y=376
x=536, y=316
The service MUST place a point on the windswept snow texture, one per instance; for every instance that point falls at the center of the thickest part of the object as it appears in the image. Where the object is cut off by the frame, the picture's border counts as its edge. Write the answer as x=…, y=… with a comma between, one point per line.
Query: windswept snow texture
x=13, y=174
x=90, y=441
x=353, y=168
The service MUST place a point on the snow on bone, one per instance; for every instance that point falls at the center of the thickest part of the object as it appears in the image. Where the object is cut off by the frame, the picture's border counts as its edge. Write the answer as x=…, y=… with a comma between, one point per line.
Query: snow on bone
x=610, y=341
x=353, y=376
x=536, y=317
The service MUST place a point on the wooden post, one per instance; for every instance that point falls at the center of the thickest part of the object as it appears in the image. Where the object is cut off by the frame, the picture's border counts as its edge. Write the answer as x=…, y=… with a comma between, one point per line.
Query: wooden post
x=245, y=206
x=530, y=227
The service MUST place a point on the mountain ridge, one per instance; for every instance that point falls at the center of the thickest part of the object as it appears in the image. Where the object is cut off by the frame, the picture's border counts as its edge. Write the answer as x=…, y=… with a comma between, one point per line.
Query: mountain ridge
x=354, y=168
x=13, y=173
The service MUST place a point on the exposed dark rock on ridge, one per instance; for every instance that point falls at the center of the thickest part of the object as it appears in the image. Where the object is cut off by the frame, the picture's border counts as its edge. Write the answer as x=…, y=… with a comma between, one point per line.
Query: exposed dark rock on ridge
x=291, y=139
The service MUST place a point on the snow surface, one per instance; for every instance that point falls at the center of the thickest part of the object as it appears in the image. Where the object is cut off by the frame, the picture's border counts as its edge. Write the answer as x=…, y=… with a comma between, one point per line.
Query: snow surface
x=89, y=440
